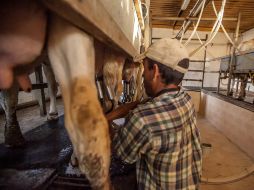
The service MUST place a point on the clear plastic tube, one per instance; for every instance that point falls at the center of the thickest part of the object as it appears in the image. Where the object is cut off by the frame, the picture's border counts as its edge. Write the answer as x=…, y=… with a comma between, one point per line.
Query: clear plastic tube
x=215, y=29
x=195, y=28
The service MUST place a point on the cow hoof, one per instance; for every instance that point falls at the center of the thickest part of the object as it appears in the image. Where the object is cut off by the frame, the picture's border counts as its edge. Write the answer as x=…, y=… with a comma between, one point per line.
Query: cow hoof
x=52, y=116
x=13, y=136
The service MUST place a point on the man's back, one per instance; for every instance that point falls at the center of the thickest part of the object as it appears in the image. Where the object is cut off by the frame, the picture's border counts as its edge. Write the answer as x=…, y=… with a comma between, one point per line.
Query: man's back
x=162, y=137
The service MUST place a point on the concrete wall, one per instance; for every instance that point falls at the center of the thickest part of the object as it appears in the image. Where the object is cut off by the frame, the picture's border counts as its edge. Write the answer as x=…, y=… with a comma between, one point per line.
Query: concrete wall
x=195, y=97
x=234, y=122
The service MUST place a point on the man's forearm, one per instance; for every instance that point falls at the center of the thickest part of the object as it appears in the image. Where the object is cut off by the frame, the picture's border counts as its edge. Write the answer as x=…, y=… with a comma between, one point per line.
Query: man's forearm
x=121, y=111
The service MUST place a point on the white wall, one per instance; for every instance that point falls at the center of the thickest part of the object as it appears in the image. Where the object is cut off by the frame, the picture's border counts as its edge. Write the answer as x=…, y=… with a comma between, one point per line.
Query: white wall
x=124, y=14
x=248, y=35
x=219, y=47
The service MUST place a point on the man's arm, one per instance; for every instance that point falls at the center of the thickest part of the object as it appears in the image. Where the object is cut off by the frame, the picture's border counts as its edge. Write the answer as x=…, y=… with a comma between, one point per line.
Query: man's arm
x=131, y=140
x=121, y=111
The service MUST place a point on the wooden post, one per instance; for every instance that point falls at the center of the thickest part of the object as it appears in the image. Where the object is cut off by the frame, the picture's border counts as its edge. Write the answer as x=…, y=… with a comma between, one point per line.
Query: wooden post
x=41, y=99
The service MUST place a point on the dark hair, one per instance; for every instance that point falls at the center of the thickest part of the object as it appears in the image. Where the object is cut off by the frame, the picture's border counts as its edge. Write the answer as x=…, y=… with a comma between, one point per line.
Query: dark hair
x=168, y=75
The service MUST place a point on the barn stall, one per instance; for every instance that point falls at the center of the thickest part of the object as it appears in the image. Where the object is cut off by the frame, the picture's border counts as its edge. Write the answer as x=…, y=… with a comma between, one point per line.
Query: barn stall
x=219, y=80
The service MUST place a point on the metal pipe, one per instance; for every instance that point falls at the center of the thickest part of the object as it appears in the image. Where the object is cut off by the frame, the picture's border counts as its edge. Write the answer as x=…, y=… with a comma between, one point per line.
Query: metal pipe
x=175, y=20
x=194, y=39
x=218, y=86
x=203, y=73
x=237, y=85
x=232, y=59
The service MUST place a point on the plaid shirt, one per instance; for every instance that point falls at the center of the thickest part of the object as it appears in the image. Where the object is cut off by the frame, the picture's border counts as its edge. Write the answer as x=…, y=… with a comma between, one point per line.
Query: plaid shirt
x=162, y=138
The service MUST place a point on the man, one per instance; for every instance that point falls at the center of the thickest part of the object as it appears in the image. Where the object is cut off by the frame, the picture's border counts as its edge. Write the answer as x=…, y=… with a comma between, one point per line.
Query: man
x=161, y=135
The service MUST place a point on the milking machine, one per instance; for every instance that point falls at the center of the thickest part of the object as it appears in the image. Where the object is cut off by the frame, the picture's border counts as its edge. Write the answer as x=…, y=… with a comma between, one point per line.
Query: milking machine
x=98, y=82
x=241, y=74
x=100, y=87
x=126, y=97
x=110, y=97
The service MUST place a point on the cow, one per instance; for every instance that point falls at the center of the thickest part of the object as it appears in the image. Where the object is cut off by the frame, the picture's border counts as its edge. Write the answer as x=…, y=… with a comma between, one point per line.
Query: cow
x=26, y=29
x=72, y=54
x=9, y=100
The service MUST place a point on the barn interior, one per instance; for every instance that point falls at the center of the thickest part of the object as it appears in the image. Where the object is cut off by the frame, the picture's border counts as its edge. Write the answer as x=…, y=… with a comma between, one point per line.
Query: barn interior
x=219, y=37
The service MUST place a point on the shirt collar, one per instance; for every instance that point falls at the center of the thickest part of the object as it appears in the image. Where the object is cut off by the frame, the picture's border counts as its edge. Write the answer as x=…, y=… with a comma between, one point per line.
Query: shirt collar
x=166, y=90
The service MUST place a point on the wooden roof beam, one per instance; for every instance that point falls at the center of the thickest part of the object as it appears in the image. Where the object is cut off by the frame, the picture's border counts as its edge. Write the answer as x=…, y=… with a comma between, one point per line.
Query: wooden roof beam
x=192, y=19
x=194, y=12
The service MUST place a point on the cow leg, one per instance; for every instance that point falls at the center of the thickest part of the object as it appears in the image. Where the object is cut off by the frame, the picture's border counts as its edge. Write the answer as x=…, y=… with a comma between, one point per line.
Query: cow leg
x=71, y=53
x=9, y=101
x=52, y=87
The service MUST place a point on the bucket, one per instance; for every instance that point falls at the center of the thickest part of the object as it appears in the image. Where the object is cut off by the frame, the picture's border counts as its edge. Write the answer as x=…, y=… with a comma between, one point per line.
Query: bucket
x=206, y=149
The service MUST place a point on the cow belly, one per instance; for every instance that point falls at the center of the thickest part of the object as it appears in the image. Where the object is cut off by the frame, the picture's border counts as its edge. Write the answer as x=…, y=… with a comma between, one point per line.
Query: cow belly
x=71, y=53
x=22, y=36
x=22, y=30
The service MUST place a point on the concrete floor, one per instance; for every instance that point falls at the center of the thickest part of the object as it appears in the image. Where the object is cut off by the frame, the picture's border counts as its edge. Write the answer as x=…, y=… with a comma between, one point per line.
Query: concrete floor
x=224, y=159
x=29, y=118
